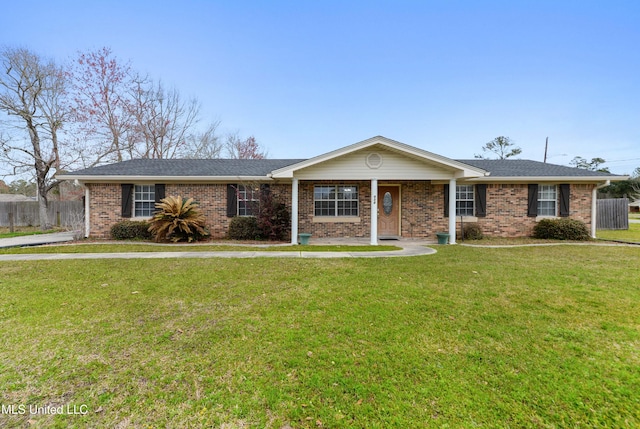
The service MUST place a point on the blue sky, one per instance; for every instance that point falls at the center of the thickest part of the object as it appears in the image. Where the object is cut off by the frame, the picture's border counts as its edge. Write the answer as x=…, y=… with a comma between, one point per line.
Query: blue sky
x=307, y=77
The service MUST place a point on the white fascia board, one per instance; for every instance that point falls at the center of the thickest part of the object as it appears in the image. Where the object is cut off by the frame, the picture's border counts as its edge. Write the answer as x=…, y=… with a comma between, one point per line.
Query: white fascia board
x=466, y=170
x=163, y=179
x=530, y=179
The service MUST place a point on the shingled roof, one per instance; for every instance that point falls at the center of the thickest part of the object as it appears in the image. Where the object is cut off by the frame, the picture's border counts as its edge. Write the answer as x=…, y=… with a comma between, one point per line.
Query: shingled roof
x=187, y=167
x=528, y=168
x=263, y=167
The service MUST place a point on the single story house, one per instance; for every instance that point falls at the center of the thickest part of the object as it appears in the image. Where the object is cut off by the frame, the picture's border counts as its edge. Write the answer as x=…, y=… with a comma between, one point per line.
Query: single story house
x=378, y=188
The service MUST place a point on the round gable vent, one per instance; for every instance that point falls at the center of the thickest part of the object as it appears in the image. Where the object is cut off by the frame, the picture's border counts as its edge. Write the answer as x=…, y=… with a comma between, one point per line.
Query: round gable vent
x=374, y=160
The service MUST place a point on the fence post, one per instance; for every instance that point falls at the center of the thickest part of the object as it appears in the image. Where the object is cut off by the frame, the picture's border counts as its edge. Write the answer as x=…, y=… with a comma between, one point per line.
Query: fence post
x=58, y=218
x=11, y=222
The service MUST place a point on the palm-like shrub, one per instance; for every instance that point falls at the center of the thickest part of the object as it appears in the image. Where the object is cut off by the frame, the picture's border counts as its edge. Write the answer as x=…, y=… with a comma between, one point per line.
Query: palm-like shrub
x=177, y=220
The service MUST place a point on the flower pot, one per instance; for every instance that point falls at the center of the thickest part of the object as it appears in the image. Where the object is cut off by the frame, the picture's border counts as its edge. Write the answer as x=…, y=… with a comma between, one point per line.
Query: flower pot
x=443, y=237
x=304, y=238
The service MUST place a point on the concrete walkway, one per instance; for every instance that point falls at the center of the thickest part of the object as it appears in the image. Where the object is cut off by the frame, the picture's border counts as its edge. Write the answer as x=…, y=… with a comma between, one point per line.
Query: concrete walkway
x=408, y=248
x=37, y=239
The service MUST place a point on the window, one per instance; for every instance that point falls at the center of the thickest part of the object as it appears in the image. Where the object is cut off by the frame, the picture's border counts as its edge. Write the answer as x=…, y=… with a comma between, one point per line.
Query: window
x=547, y=200
x=335, y=200
x=464, y=200
x=144, y=200
x=247, y=200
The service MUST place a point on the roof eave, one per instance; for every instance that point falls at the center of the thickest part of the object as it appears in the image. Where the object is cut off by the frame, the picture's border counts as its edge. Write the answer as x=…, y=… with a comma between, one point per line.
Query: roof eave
x=529, y=179
x=161, y=179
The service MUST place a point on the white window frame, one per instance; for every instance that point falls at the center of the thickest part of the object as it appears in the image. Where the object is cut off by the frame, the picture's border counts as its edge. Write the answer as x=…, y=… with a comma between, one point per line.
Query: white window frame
x=466, y=190
x=547, y=194
x=248, y=198
x=144, y=200
x=330, y=201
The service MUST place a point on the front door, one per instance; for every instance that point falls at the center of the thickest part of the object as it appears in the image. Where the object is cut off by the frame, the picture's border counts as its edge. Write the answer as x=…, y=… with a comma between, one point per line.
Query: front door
x=388, y=211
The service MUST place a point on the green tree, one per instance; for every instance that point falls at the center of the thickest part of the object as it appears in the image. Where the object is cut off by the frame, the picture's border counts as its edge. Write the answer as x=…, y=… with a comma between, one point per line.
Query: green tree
x=624, y=189
x=593, y=165
x=23, y=187
x=502, y=146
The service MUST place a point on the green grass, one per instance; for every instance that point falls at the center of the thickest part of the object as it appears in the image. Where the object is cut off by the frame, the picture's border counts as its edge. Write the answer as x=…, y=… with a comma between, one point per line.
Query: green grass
x=630, y=235
x=140, y=247
x=22, y=231
x=541, y=337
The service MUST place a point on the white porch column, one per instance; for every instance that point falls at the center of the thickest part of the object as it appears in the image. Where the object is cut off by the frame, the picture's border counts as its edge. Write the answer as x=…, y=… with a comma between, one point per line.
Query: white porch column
x=594, y=211
x=452, y=211
x=87, y=214
x=374, y=212
x=294, y=211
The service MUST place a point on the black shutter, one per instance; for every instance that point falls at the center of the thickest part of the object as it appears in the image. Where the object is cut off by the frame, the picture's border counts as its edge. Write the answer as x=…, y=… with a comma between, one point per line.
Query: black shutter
x=446, y=200
x=127, y=199
x=532, y=208
x=564, y=199
x=160, y=192
x=481, y=200
x=232, y=200
x=265, y=189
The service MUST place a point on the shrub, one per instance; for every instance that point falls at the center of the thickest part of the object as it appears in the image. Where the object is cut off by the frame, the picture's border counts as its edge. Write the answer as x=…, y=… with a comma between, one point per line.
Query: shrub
x=131, y=230
x=177, y=220
x=273, y=218
x=472, y=231
x=244, y=228
x=561, y=229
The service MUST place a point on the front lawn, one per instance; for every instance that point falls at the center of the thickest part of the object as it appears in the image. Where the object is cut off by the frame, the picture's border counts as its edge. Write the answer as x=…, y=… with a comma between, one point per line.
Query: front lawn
x=468, y=337
x=630, y=235
x=147, y=247
x=24, y=230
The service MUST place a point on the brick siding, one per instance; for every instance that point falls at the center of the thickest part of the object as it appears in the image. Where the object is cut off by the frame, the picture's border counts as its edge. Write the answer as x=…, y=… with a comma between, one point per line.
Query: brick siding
x=334, y=228
x=507, y=209
x=422, y=209
x=105, y=205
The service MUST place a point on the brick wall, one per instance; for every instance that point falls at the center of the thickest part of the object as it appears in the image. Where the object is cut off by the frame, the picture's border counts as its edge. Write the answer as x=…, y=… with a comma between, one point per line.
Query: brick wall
x=507, y=209
x=106, y=204
x=335, y=228
x=422, y=208
x=105, y=208
x=422, y=211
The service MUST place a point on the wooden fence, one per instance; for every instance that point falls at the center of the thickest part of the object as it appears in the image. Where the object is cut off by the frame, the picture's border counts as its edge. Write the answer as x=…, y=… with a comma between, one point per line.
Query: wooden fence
x=612, y=213
x=25, y=213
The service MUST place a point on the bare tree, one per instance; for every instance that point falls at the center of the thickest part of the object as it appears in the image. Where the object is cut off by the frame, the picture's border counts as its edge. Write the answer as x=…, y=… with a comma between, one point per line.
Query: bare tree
x=249, y=148
x=205, y=145
x=30, y=91
x=103, y=105
x=163, y=121
x=501, y=146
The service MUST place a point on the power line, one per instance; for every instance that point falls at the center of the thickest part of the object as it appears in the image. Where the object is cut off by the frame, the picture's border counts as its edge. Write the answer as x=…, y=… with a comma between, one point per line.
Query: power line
x=623, y=160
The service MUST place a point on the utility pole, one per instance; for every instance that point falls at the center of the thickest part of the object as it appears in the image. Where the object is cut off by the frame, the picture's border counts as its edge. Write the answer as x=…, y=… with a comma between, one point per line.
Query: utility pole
x=546, y=146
